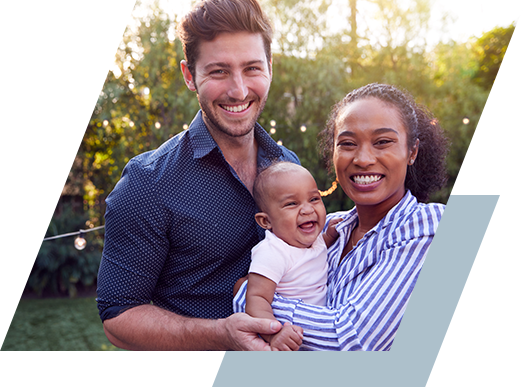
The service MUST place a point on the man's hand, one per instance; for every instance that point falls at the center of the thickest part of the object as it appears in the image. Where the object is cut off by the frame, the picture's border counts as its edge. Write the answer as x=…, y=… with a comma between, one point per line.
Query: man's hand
x=242, y=332
x=289, y=338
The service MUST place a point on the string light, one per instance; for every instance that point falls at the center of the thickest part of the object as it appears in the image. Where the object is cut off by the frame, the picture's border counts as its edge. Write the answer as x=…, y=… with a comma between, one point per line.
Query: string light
x=465, y=120
x=185, y=126
x=80, y=242
x=330, y=190
x=303, y=128
x=280, y=142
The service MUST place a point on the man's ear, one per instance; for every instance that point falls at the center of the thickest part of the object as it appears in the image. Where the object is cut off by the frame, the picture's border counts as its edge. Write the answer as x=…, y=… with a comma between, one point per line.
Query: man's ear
x=263, y=220
x=188, y=78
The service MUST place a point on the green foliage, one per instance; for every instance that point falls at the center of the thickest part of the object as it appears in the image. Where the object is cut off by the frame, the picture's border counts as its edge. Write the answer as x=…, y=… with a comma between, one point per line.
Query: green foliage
x=145, y=101
x=490, y=49
x=59, y=268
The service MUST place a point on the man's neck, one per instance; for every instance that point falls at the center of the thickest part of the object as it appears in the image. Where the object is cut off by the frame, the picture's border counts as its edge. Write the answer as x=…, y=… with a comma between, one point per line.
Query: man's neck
x=241, y=153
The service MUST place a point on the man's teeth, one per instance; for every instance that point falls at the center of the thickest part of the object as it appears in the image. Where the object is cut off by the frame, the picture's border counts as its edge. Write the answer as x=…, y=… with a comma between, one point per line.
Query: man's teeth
x=236, y=109
x=366, y=179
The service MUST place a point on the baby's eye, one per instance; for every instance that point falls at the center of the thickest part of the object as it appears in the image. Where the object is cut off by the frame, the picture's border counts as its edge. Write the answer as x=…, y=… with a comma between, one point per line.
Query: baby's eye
x=288, y=204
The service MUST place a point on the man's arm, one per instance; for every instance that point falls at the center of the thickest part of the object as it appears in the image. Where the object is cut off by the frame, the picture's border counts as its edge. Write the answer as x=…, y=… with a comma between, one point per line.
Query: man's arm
x=148, y=327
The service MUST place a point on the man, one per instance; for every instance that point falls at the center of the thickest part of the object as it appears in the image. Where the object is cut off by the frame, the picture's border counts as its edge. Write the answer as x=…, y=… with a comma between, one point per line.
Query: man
x=180, y=222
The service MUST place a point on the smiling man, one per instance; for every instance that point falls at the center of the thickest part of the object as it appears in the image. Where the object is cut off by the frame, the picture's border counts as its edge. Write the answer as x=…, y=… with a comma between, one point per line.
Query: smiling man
x=180, y=223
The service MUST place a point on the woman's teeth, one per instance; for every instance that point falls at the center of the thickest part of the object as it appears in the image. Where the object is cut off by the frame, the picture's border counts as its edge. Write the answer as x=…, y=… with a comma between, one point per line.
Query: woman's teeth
x=235, y=109
x=366, y=179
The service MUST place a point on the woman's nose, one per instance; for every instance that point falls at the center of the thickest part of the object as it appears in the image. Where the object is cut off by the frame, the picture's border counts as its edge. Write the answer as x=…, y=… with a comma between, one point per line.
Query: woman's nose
x=238, y=89
x=364, y=156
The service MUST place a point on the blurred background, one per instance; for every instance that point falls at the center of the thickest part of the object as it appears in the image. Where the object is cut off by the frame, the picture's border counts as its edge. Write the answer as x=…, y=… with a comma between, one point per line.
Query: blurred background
x=322, y=50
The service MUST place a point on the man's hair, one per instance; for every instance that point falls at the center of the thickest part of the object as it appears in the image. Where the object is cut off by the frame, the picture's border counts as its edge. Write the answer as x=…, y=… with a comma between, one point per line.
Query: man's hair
x=211, y=17
x=260, y=190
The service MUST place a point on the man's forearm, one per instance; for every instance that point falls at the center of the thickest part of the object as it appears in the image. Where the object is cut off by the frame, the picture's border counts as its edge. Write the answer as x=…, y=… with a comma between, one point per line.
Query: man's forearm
x=148, y=327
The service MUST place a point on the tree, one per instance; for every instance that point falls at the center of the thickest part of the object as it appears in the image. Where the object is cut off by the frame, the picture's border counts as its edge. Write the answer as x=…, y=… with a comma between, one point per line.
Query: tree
x=490, y=49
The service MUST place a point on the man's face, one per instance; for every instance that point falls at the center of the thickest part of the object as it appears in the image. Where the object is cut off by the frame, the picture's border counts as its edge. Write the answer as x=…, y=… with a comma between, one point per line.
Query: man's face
x=232, y=80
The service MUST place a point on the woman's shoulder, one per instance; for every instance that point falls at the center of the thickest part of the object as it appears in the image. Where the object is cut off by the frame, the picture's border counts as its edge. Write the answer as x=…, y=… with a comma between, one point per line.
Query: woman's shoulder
x=420, y=220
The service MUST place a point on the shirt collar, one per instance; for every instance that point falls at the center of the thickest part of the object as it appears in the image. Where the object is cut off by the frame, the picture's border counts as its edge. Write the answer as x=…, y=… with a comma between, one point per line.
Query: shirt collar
x=405, y=205
x=203, y=142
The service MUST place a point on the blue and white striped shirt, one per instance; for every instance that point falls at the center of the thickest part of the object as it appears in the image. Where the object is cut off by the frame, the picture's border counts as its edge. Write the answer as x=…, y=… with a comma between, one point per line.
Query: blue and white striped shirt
x=369, y=290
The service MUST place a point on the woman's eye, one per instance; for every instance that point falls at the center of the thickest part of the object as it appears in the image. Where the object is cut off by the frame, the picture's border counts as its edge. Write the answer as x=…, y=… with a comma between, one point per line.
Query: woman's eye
x=384, y=142
x=346, y=143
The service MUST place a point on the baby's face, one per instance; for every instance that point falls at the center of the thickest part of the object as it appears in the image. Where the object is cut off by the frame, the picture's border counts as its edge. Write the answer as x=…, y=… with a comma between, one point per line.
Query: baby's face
x=294, y=208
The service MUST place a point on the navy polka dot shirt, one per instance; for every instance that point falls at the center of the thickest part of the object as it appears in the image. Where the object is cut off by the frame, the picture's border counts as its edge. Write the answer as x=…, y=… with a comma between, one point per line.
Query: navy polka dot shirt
x=179, y=228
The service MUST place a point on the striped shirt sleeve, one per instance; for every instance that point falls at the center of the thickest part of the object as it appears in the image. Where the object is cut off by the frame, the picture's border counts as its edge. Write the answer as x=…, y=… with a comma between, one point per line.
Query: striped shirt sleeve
x=369, y=318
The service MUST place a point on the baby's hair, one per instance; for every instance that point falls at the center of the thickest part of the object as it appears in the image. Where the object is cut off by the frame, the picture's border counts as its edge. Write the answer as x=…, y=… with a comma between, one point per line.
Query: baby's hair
x=428, y=173
x=259, y=189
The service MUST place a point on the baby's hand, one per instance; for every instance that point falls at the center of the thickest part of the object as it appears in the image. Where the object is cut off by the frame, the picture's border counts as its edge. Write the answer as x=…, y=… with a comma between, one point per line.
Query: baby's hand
x=289, y=338
x=331, y=234
x=331, y=227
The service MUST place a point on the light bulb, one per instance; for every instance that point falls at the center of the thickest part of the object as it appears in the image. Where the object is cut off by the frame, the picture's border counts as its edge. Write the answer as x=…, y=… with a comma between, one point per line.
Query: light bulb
x=80, y=242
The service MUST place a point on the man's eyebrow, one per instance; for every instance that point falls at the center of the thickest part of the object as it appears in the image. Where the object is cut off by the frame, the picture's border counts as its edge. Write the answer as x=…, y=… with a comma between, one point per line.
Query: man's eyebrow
x=225, y=65
x=222, y=65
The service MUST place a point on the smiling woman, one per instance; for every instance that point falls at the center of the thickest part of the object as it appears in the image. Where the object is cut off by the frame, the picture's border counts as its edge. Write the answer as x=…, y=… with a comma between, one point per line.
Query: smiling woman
x=389, y=156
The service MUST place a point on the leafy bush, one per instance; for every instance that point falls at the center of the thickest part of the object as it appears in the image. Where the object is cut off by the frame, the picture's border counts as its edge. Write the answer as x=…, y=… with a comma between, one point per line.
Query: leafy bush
x=61, y=269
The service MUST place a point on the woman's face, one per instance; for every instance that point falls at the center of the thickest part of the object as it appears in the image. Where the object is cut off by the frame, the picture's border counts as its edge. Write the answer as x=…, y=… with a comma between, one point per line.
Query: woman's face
x=371, y=153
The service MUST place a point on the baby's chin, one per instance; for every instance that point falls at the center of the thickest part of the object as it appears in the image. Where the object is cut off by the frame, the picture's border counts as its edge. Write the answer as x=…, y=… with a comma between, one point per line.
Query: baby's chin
x=302, y=243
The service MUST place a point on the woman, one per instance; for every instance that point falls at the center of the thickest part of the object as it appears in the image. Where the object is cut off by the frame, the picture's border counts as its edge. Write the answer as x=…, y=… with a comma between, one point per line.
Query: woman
x=389, y=156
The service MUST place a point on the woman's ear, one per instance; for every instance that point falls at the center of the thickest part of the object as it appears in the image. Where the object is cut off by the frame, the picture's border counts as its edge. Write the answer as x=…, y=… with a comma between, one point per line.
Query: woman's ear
x=263, y=220
x=188, y=79
x=414, y=152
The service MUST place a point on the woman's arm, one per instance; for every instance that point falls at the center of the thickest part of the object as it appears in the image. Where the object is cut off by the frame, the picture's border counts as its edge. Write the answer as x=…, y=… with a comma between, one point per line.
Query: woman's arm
x=374, y=305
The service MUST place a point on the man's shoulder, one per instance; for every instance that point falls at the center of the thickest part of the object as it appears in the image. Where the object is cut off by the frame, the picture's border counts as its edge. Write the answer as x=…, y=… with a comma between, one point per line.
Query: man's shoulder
x=289, y=155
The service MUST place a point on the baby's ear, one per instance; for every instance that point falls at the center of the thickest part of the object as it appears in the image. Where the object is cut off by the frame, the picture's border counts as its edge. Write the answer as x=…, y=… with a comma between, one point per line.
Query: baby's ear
x=263, y=220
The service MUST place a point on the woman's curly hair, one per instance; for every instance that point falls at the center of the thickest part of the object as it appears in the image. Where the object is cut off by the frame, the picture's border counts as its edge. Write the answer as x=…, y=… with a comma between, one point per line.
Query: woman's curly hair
x=428, y=173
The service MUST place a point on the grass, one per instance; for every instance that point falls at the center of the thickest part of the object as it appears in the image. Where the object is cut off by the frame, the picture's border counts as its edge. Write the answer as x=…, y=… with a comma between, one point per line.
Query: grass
x=56, y=324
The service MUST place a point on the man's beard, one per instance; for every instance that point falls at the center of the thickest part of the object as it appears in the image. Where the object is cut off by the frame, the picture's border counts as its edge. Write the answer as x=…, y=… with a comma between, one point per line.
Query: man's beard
x=212, y=119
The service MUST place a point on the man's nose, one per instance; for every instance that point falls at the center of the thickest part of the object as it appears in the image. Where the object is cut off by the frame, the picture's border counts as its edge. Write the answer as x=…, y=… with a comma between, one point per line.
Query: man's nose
x=238, y=89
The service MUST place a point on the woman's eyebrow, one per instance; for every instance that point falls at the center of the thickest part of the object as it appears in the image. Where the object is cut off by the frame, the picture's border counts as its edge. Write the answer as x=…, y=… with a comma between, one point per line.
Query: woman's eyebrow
x=384, y=130
x=375, y=131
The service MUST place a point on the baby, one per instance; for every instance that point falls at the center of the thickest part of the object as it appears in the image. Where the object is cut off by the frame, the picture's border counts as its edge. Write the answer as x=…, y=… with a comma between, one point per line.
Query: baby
x=292, y=259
